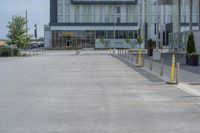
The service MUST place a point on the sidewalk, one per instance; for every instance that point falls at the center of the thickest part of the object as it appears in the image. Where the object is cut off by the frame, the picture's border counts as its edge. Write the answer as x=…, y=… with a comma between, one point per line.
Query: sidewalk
x=188, y=74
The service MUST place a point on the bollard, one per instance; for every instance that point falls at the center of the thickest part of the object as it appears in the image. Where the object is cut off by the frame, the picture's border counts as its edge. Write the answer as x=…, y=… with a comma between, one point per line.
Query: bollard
x=128, y=55
x=151, y=64
x=132, y=56
x=161, y=67
x=139, y=61
x=172, y=71
x=110, y=51
x=142, y=61
x=177, y=72
x=125, y=53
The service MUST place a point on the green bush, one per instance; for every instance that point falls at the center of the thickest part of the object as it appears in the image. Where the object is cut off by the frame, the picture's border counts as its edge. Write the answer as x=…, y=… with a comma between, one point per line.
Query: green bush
x=151, y=44
x=16, y=52
x=6, y=51
x=191, y=44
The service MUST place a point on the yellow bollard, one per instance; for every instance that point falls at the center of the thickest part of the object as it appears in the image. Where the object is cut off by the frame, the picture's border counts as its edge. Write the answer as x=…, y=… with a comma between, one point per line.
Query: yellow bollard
x=110, y=51
x=172, y=71
x=139, y=63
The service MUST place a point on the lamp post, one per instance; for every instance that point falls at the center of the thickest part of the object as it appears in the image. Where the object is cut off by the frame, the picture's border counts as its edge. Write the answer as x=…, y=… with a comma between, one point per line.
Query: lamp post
x=114, y=23
x=190, y=23
x=199, y=13
x=156, y=52
x=36, y=36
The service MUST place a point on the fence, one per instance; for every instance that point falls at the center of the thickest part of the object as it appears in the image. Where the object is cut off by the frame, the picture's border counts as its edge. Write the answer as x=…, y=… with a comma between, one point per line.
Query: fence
x=156, y=67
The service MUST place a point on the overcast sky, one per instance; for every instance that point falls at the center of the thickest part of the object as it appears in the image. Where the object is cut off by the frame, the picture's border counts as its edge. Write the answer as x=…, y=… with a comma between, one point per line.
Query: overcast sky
x=38, y=13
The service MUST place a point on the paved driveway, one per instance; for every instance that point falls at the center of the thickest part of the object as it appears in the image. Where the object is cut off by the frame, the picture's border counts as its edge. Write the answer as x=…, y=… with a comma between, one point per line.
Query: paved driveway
x=63, y=93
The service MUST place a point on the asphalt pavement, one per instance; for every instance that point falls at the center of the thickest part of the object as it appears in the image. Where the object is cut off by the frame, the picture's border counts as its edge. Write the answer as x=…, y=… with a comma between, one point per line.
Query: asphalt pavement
x=98, y=93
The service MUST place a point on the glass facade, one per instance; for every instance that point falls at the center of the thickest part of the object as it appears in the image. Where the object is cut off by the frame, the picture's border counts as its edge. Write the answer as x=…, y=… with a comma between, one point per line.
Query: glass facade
x=86, y=39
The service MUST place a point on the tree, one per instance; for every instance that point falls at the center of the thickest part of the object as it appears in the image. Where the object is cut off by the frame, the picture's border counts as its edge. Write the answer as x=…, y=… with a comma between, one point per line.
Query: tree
x=139, y=41
x=128, y=40
x=191, y=44
x=17, y=33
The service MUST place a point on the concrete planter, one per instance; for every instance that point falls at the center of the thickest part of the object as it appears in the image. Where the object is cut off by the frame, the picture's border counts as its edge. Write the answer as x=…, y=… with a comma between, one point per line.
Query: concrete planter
x=150, y=52
x=192, y=59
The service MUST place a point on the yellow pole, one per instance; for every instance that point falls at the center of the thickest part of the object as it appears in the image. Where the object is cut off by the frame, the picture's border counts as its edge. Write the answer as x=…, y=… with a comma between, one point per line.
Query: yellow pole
x=172, y=70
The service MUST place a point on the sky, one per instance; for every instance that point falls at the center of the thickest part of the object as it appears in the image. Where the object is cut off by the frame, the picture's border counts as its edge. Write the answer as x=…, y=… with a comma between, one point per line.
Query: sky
x=38, y=13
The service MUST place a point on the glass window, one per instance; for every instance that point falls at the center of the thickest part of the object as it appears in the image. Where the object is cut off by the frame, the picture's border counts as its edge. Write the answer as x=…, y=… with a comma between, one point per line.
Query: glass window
x=118, y=19
x=118, y=9
x=60, y=9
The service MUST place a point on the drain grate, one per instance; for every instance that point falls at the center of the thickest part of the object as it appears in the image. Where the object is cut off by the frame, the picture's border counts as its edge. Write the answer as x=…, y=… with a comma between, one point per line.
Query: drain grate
x=195, y=84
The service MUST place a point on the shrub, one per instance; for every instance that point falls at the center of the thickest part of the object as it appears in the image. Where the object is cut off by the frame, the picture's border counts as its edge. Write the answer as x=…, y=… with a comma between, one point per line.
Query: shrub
x=191, y=44
x=139, y=41
x=151, y=44
x=6, y=51
x=16, y=52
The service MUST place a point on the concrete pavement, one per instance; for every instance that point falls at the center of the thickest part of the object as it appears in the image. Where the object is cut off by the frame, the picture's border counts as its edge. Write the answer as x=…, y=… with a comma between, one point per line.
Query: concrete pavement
x=64, y=93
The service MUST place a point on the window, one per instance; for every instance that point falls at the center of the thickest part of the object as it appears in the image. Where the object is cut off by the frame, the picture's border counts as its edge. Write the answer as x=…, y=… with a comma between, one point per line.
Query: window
x=60, y=9
x=118, y=9
x=118, y=19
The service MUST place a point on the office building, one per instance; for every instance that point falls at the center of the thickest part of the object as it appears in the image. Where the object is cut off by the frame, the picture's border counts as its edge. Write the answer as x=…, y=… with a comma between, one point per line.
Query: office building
x=110, y=23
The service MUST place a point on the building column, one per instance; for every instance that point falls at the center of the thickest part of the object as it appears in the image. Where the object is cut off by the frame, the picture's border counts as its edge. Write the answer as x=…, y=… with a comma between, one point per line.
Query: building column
x=190, y=20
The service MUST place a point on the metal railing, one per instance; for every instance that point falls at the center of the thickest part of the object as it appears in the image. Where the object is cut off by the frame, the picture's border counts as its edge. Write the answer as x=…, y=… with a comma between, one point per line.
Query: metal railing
x=158, y=68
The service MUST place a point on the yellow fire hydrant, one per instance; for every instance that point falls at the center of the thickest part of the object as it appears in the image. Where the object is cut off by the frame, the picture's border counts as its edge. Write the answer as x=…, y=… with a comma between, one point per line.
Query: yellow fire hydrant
x=172, y=70
x=139, y=63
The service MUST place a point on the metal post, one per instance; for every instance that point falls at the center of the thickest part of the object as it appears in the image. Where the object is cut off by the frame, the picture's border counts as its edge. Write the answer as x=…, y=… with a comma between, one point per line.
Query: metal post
x=132, y=56
x=177, y=72
x=114, y=21
x=162, y=67
x=142, y=61
x=36, y=36
x=157, y=25
x=151, y=64
x=190, y=22
x=128, y=55
x=125, y=53
x=199, y=13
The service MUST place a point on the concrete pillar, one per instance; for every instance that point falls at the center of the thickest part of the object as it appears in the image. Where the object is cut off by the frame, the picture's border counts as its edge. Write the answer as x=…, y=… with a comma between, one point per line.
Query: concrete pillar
x=190, y=20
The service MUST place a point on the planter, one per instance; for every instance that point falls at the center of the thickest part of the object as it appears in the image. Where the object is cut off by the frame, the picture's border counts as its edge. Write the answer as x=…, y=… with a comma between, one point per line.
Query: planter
x=192, y=59
x=150, y=52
